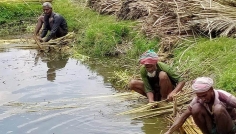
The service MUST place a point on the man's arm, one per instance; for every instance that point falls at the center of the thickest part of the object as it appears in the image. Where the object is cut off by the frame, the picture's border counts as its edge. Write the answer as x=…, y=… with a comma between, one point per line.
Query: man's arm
x=179, y=122
x=44, y=32
x=147, y=87
x=39, y=25
x=45, y=27
x=227, y=98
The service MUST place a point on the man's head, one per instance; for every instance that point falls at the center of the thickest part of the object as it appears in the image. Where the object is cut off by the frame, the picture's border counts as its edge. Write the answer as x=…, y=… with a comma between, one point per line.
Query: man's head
x=47, y=8
x=203, y=87
x=149, y=60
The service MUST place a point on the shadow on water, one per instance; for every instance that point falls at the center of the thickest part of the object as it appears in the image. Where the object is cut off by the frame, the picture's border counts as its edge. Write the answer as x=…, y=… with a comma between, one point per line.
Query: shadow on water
x=51, y=93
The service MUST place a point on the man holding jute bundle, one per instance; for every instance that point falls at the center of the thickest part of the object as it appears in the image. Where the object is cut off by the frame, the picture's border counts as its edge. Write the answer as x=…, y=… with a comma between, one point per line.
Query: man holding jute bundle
x=52, y=22
x=212, y=110
x=159, y=81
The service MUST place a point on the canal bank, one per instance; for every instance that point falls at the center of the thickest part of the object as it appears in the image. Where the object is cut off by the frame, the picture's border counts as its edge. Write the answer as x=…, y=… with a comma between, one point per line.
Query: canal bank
x=203, y=57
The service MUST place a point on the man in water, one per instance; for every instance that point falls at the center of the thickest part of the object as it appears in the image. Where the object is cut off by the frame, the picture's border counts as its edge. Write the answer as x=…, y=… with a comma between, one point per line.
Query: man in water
x=159, y=81
x=57, y=27
x=213, y=110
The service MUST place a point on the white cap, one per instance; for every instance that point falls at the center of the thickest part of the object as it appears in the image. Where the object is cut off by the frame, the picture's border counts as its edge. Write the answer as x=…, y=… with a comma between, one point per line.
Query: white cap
x=202, y=84
x=47, y=4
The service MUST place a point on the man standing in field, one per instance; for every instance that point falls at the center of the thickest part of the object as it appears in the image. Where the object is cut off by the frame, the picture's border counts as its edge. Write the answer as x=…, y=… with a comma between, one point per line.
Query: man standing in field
x=57, y=27
x=159, y=81
x=213, y=110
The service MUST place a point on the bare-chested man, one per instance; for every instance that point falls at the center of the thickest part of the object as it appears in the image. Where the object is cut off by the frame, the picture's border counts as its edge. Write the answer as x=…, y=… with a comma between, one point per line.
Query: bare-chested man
x=213, y=110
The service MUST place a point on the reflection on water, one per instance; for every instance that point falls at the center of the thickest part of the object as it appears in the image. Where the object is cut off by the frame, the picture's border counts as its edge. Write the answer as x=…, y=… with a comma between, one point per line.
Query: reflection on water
x=55, y=61
x=48, y=93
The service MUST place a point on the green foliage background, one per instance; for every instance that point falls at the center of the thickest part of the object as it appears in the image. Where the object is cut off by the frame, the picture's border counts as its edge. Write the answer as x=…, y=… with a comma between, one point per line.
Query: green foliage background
x=17, y=11
x=215, y=58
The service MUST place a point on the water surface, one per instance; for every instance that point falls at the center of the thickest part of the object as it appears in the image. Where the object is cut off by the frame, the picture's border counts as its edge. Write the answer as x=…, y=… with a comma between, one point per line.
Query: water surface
x=48, y=93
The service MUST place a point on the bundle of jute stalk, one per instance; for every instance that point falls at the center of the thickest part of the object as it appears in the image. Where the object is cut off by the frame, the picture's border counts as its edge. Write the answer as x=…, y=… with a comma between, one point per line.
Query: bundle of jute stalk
x=59, y=44
x=189, y=126
x=162, y=107
x=169, y=18
x=105, y=6
x=227, y=2
x=182, y=18
x=65, y=40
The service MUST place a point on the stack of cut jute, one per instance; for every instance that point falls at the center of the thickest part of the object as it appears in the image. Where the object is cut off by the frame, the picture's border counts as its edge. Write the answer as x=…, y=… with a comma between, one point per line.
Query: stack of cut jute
x=162, y=107
x=59, y=44
x=105, y=6
x=185, y=18
x=64, y=40
x=171, y=109
x=161, y=18
x=133, y=9
x=189, y=126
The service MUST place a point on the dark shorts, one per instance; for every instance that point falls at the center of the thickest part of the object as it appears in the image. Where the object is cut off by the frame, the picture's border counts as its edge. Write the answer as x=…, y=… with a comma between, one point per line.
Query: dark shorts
x=157, y=95
x=214, y=131
x=60, y=32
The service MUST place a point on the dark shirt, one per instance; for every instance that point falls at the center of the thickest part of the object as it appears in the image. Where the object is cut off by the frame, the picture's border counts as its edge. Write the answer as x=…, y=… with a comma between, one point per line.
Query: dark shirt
x=58, y=28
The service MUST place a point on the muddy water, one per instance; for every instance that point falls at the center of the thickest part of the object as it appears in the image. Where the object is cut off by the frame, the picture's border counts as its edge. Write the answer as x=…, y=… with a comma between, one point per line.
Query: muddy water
x=48, y=93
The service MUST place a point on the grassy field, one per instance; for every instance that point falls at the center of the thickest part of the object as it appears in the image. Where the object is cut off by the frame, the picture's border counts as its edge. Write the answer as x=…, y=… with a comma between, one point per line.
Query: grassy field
x=101, y=36
x=215, y=58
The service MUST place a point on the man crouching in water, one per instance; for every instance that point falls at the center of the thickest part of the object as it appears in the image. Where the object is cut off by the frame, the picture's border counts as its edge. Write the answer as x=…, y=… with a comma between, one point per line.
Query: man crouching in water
x=213, y=110
x=159, y=81
x=57, y=26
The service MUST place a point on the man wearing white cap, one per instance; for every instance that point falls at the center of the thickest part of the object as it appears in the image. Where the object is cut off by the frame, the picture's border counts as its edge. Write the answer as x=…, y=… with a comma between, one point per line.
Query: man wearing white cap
x=213, y=110
x=57, y=27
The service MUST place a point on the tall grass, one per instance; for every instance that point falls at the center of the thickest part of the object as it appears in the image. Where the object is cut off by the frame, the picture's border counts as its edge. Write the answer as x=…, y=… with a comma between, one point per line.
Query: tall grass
x=100, y=35
x=216, y=58
x=18, y=11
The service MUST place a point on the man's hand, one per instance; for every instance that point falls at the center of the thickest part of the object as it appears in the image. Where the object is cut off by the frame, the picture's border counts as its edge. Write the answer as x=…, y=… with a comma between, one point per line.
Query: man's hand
x=40, y=39
x=171, y=95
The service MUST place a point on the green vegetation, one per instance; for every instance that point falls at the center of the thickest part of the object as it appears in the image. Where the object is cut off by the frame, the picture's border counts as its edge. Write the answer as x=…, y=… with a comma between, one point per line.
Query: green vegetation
x=15, y=12
x=101, y=36
x=215, y=58
x=15, y=18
